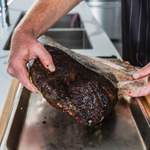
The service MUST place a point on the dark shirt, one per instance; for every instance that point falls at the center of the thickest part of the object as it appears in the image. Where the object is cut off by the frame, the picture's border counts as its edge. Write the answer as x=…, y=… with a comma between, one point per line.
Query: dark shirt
x=136, y=31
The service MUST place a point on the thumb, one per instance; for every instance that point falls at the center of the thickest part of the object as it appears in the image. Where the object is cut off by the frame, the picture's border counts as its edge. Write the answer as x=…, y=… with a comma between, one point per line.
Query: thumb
x=142, y=72
x=45, y=58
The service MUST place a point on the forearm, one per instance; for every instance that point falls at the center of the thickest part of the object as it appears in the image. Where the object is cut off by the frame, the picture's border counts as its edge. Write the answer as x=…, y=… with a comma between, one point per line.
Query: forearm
x=44, y=13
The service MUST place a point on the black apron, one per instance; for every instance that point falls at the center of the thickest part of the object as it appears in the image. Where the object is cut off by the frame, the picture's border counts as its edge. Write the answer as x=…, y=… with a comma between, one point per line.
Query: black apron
x=136, y=31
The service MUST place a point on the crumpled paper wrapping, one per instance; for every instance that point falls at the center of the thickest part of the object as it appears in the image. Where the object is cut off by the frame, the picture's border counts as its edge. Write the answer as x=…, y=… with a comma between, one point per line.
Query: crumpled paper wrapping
x=118, y=72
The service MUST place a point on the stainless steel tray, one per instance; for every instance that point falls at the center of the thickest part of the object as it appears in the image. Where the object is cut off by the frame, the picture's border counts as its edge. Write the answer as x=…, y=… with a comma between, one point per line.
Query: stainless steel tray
x=35, y=125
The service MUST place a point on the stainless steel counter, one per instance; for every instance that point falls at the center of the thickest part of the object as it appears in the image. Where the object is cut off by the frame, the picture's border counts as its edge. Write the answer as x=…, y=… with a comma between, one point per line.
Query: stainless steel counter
x=34, y=124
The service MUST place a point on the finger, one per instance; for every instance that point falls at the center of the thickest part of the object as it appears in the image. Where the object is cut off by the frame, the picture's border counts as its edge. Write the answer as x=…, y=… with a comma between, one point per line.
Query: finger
x=45, y=58
x=143, y=92
x=142, y=72
x=25, y=82
x=20, y=72
x=22, y=75
x=132, y=94
x=11, y=71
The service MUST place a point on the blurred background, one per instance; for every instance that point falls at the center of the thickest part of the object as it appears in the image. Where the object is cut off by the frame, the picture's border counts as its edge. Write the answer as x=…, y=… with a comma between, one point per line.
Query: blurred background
x=108, y=15
x=106, y=12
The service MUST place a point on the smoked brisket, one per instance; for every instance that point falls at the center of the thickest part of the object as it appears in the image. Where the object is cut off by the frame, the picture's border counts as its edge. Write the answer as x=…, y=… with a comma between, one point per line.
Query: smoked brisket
x=83, y=93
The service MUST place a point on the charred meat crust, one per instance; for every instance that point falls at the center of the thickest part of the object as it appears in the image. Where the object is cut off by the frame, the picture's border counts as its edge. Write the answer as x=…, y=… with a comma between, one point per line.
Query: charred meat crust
x=73, y=88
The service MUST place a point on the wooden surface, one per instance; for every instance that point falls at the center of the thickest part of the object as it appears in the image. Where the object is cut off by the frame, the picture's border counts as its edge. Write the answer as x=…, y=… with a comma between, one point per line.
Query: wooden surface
x=8, y=105
x=146, y=103
x=148, y=98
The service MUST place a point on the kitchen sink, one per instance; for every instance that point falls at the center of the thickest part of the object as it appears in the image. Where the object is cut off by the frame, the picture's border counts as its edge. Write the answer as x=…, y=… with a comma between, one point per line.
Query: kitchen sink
x=72, y=39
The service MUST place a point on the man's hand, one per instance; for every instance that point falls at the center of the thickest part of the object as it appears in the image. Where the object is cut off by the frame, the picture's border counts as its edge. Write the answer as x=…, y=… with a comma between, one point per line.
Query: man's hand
x=139, y=74
x=25, y=47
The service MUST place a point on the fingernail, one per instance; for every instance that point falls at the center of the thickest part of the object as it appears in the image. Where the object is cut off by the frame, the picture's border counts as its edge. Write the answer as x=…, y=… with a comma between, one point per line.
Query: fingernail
x=51, y=67
x=136, y=75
